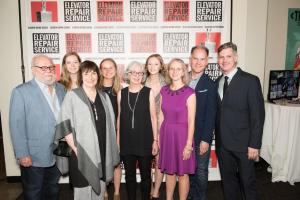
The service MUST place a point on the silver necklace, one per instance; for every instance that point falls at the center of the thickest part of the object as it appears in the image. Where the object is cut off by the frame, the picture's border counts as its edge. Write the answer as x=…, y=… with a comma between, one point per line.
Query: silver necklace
x=133, y=109
x=95, y=110
x=89, y=94
x=109, y=90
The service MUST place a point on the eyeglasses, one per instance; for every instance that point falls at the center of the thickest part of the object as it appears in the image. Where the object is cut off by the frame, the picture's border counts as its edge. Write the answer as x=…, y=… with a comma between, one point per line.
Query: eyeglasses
x=136, y=73
x=50, y=68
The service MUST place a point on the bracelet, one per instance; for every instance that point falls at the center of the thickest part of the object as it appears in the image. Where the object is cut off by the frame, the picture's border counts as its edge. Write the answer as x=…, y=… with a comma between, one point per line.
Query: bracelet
x=188, y=148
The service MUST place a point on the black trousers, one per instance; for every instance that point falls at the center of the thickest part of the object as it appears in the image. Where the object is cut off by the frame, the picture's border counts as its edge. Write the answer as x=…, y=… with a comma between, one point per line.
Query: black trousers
x=238, y=175
x=40, y=183
x=144, y=164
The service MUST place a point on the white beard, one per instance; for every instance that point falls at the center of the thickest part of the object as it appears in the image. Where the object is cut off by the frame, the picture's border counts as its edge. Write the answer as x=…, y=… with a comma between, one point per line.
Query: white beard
x=47, y=82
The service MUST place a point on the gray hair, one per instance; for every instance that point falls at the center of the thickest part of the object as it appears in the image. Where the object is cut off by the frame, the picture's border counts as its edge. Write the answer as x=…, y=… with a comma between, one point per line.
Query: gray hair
x=129, y=68
x=36, y=57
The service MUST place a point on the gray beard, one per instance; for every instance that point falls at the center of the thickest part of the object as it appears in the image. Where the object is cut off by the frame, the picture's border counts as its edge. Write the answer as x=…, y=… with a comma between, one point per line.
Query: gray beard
x=47, y=82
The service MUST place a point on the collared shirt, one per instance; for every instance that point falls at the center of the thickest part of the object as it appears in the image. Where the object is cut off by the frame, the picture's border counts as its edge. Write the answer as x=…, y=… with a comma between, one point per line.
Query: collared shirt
x=193, y=83
x=222, y=80
x=50, y=97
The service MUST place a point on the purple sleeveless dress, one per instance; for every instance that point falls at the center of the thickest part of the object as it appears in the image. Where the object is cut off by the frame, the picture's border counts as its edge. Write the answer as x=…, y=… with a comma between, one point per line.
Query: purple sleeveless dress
x=174, y=132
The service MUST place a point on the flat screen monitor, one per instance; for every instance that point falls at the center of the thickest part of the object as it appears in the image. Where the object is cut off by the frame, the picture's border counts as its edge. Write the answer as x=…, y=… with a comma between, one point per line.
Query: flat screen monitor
x=283, y=84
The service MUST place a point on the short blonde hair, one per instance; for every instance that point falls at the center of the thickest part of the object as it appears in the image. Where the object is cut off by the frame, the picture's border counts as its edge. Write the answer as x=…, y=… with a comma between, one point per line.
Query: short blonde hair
x=184, y=67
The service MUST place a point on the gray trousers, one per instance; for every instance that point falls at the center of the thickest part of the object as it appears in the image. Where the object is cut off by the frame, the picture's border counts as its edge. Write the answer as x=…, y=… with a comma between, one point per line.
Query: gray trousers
x=87, y=193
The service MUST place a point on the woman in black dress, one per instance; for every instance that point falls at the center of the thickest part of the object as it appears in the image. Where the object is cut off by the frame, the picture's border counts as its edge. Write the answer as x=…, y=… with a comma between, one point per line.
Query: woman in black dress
x=137, y=130
x=110, y=84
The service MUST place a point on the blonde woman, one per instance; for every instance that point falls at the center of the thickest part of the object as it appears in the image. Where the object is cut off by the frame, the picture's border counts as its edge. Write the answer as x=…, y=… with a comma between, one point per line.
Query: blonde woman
x=110, y=84
x=177, y=119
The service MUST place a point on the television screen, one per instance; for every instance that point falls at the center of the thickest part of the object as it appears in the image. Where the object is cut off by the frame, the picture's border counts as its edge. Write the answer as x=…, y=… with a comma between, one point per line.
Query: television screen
x=283, y=84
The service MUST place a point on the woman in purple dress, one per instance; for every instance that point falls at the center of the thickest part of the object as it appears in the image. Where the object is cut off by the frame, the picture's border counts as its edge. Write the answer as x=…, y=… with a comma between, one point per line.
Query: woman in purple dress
x=177, y=118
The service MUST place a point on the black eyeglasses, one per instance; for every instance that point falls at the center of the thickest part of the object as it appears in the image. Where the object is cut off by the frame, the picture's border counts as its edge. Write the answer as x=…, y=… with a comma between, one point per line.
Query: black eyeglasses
x=50, y=68
x=136, y=73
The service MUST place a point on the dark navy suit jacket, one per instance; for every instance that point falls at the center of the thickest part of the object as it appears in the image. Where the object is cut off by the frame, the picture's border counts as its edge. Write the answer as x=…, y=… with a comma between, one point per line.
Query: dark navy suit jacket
x=241, y=114
x=206, y=107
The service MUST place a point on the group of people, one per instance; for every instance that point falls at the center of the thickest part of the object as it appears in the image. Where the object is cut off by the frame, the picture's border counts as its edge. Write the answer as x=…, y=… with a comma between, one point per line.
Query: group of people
x=165, y=114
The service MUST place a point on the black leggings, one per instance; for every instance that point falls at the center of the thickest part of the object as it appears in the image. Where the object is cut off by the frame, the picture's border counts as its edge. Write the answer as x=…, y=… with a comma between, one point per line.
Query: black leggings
x=144, y=164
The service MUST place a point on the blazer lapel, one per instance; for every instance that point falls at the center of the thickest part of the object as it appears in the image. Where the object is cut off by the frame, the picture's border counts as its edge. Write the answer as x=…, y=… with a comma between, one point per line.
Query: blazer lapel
x=200, y=83
x=233, y=82
x=217, y=82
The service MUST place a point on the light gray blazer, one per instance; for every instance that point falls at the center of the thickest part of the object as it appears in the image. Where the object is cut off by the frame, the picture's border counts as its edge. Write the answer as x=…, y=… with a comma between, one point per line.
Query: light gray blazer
x=32, y=123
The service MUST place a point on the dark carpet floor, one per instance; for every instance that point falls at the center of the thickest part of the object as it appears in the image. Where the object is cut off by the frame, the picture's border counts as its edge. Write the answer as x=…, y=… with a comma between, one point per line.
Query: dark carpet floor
x=267, y=189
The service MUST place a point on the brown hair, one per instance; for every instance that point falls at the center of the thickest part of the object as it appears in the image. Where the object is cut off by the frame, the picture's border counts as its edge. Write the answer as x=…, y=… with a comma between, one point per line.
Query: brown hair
x=200, y=47
x=228, y=45
x=162, y=69
x=65, y=78
x=87, y=66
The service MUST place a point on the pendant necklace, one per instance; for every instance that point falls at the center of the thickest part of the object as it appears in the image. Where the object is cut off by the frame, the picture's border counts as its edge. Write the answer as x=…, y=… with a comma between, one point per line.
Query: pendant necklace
x=133, y=109
x=95, y=110
x=108, y=90
x=93, y=105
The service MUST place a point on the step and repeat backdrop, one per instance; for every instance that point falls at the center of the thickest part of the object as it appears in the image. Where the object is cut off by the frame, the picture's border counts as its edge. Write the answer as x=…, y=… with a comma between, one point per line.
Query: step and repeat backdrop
x=126, y=30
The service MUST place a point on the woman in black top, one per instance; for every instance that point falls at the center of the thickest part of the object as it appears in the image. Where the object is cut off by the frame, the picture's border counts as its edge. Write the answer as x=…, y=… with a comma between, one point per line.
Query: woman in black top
x=137, y=130
x=110, y=84
x=88, y=125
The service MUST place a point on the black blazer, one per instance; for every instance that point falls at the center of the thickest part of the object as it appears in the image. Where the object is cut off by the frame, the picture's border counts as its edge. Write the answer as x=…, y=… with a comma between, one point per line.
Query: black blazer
x=241, y=114
x=206, y=108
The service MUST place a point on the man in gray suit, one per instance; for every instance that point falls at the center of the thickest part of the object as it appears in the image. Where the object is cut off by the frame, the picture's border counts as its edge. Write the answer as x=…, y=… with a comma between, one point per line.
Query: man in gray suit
x=34, y=109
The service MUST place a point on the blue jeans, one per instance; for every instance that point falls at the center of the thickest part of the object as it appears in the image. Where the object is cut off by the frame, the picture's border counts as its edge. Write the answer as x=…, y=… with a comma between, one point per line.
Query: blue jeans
x=198, y=181
x=40, y=183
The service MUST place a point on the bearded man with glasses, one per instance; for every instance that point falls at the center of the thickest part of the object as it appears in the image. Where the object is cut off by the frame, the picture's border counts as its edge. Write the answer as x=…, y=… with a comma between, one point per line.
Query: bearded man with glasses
x=34, y=109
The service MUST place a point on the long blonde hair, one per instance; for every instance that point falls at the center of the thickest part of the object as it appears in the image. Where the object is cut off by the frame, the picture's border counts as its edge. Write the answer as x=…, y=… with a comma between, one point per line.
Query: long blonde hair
x=65, y=78
x=116, y=87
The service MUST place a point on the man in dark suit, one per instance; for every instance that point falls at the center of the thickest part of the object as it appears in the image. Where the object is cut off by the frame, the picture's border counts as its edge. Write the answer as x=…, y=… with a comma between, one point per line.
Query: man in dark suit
x=239, y=127
x=34, y=109
x=206, y=107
